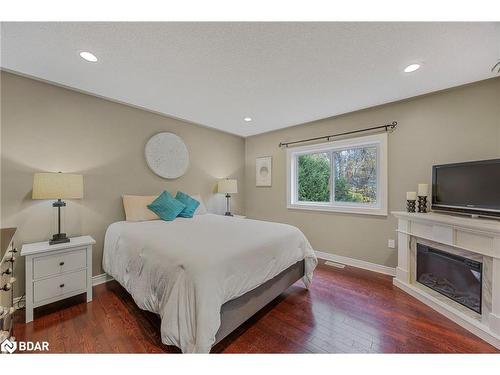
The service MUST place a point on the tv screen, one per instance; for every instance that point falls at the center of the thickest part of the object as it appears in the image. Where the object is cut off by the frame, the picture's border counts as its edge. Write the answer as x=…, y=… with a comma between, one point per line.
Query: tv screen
x=472, y=187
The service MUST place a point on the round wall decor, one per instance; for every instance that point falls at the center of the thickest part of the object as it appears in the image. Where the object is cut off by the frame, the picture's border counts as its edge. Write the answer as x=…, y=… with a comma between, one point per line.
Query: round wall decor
x=167, y=155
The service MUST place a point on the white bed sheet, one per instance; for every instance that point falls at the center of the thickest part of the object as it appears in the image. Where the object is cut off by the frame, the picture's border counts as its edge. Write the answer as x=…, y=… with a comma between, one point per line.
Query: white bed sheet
x=185, y=270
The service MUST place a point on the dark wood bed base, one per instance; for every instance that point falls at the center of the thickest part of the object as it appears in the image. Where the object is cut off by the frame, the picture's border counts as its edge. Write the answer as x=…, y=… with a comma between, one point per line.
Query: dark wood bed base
x=237, y=311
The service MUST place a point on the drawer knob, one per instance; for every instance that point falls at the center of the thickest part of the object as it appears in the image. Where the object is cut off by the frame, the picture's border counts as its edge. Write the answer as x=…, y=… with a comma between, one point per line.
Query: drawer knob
x=61, y=286
x=8, y=271
x=6, y=287
x=61, y=263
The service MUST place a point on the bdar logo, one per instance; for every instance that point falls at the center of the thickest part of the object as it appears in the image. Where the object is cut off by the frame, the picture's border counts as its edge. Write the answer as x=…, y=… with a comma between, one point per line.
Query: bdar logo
x=8, y=346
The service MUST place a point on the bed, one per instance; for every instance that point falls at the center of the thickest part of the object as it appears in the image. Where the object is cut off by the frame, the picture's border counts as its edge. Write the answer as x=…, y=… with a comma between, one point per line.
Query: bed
x=205, y=275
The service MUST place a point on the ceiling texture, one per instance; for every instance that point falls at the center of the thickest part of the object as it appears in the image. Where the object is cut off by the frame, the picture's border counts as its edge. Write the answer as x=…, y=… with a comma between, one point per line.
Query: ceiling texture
x=279, y=74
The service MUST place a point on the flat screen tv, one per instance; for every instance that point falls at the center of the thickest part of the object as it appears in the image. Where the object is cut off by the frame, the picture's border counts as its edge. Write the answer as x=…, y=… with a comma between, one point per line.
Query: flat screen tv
x=468, y=188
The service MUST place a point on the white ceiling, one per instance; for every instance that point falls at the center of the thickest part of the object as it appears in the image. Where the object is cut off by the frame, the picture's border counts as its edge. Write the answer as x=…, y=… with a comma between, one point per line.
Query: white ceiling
x=280, y=74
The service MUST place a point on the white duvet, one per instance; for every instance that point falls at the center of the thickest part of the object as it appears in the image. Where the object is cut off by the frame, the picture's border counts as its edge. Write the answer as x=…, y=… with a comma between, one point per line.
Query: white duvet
x=186, y=269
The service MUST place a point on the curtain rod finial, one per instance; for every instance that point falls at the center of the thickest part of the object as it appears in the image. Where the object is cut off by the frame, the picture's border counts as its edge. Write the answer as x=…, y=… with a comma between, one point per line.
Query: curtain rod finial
x=390, y=128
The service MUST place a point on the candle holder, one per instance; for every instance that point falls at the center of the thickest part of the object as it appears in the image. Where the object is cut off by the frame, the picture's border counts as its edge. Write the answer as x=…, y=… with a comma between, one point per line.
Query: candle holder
x=422, y=203
x=410, y=205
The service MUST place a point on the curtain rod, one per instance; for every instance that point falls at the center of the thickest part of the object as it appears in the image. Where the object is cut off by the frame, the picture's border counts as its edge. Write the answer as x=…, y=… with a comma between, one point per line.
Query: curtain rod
x=388, y=128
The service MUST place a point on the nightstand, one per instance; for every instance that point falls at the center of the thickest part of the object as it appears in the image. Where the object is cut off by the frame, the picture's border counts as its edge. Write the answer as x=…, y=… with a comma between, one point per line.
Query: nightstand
x=56, y=272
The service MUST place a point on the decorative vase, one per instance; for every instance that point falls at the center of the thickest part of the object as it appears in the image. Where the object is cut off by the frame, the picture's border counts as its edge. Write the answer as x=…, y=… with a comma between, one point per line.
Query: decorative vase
x=410, y=205
x=422, y=203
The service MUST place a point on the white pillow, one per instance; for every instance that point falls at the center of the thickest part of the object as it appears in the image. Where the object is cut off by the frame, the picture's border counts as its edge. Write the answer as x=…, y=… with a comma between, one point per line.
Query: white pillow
x=202, y=209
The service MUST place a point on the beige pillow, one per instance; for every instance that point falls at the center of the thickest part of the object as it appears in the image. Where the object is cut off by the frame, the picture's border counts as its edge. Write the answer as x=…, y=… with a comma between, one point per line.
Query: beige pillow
x=136, y=207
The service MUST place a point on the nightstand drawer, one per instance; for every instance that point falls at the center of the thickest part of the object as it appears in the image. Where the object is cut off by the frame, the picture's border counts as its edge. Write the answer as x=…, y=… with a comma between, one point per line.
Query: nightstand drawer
x=59, y=285
x=57, y=264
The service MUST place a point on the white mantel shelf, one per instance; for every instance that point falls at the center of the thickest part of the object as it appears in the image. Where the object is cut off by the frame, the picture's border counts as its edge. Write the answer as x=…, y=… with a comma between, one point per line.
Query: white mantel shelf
x=469, y=237
x=484, y=225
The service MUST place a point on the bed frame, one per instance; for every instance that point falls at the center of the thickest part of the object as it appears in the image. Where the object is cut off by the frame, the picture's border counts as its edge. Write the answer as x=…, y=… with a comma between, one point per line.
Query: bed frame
x=237, y=311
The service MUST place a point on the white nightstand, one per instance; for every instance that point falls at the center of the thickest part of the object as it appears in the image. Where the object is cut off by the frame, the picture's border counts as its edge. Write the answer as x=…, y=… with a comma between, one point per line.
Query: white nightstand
x=55, y=272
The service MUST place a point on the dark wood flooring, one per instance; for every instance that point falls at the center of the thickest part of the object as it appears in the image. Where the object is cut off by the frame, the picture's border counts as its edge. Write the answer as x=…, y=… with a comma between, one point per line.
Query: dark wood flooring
x=346, y=311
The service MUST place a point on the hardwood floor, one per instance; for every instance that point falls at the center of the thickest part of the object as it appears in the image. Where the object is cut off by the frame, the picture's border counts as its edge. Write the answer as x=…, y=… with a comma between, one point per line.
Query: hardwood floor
x=346, y=311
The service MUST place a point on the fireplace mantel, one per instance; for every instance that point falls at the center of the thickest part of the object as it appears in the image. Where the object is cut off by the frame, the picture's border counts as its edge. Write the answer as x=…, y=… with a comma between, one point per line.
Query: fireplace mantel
x=469, y=237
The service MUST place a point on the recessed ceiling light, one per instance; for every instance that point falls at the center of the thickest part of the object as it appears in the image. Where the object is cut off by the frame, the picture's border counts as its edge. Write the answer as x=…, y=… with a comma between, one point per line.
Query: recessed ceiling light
x=88, y=56
x=412, y=67
x=247, y=119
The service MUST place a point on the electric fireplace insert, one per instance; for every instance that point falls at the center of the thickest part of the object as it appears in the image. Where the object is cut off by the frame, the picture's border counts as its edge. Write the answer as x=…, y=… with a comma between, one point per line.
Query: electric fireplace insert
x=451, y=275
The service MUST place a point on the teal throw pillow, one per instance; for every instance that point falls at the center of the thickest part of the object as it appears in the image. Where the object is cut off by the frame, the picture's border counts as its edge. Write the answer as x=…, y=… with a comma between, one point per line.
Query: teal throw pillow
x=166, y=206
x=190, y=203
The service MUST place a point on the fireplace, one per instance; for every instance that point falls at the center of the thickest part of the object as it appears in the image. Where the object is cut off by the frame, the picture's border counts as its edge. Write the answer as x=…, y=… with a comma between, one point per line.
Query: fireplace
x=455, y=277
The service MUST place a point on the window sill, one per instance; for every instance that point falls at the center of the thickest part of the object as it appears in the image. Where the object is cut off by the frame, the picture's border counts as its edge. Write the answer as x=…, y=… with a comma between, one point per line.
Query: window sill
x=376, y=211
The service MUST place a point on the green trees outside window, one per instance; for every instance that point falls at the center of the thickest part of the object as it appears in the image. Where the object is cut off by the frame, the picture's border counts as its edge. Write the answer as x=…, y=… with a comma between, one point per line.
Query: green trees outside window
x=314, y=177
x=355, y=176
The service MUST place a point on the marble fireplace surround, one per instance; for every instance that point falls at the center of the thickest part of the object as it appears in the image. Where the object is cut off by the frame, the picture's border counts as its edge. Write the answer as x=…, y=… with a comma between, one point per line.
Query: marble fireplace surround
x=476, y=239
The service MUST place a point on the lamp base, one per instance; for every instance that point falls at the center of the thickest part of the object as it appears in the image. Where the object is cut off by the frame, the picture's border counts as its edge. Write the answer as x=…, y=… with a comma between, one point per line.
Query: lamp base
x=228, y=205
x=58, y=238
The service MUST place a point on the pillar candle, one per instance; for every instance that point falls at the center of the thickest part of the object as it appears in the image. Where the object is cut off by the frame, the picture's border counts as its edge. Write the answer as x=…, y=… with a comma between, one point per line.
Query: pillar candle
x=423, y=190
x=411, y=196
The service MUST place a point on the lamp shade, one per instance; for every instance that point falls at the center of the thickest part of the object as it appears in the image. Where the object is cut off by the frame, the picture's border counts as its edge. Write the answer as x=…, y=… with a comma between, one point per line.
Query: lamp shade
x=57, y=186
x=227, y=186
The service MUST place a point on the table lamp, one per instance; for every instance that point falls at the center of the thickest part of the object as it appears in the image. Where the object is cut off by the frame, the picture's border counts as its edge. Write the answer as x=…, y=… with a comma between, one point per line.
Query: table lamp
x=228, y=187
x=58, y=186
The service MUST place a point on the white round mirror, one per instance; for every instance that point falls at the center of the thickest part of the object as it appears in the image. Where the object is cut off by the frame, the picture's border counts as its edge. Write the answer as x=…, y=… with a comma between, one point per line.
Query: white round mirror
x=167, y=155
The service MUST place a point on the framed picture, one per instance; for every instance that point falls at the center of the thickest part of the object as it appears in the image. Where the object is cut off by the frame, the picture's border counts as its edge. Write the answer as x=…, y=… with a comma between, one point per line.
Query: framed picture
x=263, y=171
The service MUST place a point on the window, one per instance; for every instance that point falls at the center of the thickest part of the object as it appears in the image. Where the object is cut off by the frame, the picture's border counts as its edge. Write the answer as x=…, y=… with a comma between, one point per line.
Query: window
x=344, y=176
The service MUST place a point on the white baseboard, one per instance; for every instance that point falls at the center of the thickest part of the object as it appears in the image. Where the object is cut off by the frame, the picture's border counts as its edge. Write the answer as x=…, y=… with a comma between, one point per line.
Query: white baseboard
x=357, y=263
x=101, y=279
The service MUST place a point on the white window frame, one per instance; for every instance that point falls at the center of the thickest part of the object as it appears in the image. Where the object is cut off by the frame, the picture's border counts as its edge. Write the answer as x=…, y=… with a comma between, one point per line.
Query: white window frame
x=380, y=208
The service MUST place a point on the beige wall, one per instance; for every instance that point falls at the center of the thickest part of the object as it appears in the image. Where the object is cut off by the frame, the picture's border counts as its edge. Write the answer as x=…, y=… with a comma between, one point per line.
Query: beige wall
x=450, y=126
x=48, y=128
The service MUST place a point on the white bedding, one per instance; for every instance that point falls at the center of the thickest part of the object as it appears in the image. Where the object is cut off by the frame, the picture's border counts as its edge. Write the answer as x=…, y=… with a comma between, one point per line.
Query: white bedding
x=186, y=269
